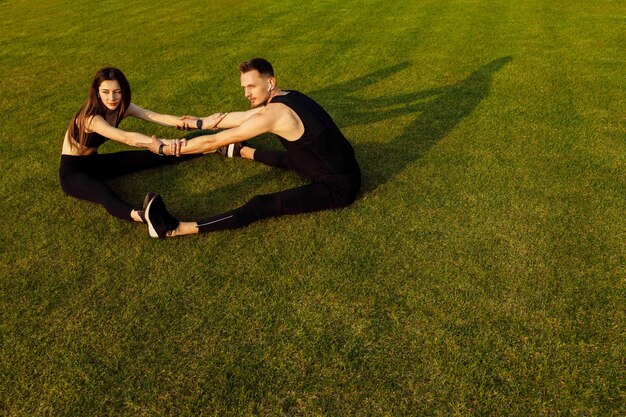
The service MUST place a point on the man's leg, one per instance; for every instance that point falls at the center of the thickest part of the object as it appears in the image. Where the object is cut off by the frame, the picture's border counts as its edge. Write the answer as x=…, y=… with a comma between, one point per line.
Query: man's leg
x=308, y=198
x=278, y=159
x=311, y=197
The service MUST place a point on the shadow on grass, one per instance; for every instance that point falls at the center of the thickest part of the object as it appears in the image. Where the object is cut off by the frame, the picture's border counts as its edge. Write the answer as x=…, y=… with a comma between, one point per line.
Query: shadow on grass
x=437, y=112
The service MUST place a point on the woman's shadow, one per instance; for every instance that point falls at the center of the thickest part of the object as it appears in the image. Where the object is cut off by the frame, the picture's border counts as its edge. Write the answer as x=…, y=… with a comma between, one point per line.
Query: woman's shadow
x=436, y=112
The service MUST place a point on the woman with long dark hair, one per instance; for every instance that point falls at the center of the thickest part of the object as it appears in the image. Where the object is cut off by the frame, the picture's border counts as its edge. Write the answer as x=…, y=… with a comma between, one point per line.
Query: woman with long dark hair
x=83, y=170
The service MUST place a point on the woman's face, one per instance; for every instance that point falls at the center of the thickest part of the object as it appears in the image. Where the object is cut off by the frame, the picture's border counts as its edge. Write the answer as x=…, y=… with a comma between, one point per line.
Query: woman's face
x=110, y=94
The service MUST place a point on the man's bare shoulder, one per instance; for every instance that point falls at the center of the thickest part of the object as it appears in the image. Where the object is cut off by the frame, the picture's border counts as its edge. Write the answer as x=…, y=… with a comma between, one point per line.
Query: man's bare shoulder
x=287, y=123
x=277, y=110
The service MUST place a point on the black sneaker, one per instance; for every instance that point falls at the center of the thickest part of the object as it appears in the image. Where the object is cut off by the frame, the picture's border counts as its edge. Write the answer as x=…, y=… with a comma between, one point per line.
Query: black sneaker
x=232, y=150
x=159, y=220
x=142, y=210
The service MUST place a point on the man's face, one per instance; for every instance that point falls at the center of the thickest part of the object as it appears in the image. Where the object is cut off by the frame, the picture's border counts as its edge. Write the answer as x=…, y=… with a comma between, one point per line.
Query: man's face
x=256, y=87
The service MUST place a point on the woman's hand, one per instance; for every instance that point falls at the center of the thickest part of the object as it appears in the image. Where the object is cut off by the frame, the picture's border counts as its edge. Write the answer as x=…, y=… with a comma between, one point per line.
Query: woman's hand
x=174, y=146
x=155, y=143
x=187, y=123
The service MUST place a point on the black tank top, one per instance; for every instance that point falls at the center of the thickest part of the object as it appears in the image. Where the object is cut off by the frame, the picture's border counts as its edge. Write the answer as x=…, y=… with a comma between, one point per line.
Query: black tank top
x=322, y=150
x=94, y=140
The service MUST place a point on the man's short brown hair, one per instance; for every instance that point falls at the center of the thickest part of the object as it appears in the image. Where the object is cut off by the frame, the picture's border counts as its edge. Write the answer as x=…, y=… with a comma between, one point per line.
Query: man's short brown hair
x=259, y=64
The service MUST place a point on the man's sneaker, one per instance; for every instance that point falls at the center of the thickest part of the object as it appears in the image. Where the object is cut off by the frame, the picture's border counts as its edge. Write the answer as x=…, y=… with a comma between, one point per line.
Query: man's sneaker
x=232, y=150
x=142, y=210
x=159, y=220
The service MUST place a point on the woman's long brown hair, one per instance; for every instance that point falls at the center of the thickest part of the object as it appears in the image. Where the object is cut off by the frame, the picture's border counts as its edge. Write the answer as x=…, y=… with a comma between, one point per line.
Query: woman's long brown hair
x=93, y=105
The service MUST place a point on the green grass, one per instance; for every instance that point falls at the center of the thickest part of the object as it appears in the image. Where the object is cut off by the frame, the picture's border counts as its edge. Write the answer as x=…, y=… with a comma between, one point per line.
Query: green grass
x=480, y=272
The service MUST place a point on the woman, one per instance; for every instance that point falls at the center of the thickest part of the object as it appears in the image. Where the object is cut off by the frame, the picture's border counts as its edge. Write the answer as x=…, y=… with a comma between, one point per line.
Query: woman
x=83, y=171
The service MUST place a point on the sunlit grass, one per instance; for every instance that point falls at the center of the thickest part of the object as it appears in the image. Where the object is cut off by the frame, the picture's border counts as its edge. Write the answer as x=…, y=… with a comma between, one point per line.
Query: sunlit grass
x=480, y=272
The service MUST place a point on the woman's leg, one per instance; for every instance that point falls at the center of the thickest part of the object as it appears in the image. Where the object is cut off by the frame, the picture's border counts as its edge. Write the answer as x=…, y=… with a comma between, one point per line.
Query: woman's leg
x=86, y=187
x=81, y=177
x=111, y=165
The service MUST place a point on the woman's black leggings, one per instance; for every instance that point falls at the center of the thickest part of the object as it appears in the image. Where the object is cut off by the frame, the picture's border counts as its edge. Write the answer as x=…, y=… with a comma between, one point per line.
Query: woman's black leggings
x=83, y=176
x=328, y=192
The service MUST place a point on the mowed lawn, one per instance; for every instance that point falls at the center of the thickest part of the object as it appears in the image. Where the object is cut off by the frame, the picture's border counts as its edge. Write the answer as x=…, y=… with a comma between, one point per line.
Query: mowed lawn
x=481, y=270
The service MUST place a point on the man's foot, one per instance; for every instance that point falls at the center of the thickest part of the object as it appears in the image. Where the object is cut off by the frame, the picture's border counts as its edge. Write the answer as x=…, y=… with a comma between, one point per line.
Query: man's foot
x=159, y=220
x=231, y=151
x=142, y=211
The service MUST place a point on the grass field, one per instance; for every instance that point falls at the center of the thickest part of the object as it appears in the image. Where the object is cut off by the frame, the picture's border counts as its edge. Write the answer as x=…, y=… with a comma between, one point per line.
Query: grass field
x=480, y=272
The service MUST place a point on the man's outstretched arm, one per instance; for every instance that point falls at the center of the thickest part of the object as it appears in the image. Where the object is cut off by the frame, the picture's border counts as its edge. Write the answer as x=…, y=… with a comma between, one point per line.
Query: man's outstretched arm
x=255, y=125
x=216, y=121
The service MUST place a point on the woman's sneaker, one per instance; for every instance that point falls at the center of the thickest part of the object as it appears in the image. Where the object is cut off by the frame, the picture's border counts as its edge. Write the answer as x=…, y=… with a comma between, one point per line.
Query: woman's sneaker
x=159, y=220
x=142, y=210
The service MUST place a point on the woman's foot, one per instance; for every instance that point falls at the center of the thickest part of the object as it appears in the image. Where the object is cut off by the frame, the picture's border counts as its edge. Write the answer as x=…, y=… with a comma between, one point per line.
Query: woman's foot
x=160, y=221
x=140, y=215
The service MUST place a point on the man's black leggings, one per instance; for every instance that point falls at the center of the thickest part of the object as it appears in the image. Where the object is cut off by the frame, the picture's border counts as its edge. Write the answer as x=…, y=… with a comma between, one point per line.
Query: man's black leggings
x=83, y=176
x=328, y=192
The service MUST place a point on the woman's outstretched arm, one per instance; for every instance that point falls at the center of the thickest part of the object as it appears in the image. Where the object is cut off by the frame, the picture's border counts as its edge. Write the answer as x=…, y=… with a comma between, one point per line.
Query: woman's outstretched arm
x=154, y=117
x=139, y=140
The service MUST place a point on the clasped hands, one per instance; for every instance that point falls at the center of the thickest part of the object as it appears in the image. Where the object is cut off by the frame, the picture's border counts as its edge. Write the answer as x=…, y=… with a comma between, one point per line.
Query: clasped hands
x=165, y=147
x=175, y=146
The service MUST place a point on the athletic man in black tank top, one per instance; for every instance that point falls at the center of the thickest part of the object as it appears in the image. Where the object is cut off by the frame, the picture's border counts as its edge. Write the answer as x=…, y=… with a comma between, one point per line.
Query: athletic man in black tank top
x=315, y=148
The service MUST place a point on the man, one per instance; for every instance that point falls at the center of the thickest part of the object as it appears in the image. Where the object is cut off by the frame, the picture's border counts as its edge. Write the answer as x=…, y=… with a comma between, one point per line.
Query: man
x=315, y=148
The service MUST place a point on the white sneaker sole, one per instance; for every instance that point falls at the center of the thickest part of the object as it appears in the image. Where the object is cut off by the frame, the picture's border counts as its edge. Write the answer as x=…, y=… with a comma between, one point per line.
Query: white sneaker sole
x=151, y=230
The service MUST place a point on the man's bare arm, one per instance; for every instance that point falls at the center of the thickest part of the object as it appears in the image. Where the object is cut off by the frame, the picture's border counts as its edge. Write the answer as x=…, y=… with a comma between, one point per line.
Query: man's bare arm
x=214, y=121
x=255, y=125
x=236, y=119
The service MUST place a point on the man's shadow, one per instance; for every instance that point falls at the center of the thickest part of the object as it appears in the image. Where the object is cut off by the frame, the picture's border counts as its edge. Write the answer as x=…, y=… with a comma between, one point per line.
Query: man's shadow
x=436, y=112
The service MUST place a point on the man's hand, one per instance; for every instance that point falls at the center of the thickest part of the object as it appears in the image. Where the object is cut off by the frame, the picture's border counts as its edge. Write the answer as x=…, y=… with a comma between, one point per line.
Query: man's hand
x=211, y=122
